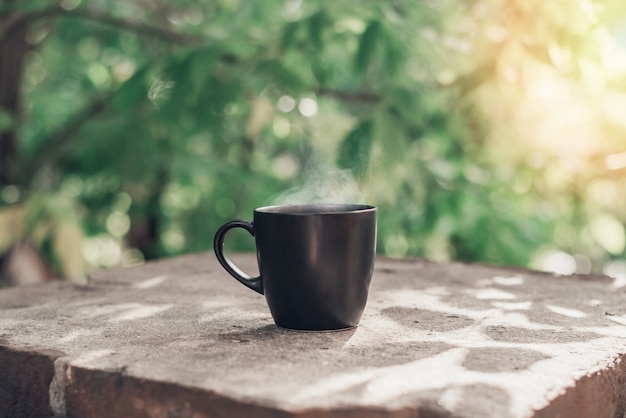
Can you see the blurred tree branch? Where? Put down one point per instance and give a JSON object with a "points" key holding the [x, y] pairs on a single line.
{"points": [[14, 25], [138, 27], [13, 22], [350, 96], [13, 47]]}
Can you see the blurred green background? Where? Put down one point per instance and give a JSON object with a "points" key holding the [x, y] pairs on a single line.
{"points": [[484, 130]]}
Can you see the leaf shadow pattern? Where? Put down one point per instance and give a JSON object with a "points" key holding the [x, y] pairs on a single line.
{"points": [[524, 335], [426, 319], [501, 359], [331, 349]]}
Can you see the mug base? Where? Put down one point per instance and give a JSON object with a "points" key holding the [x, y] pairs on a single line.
{"points": [[318, 330]]}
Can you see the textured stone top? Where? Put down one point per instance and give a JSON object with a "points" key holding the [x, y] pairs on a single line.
{"points": [[180, 338]]}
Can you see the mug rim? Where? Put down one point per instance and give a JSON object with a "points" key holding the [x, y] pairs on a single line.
{"points": [[312, 209]]}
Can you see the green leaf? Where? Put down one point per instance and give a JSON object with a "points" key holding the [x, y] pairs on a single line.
{"points": [[201, 66], [6, 121], [406, 104], [367, 44], [355, 150], [289, 35], [134, 90], [393, 51], [389, 131], [320, 70], [278, 74], [316, 25]]}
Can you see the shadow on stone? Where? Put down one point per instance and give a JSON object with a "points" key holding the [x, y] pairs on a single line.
{"points": [[385, 355], [525, 335], [501, 359], [427, 320], [333, 349], [275, 335], [563, 315]]}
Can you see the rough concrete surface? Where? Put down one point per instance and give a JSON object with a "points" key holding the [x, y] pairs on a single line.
{"points": [[180, 338]]}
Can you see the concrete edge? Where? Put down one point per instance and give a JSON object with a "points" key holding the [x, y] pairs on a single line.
{"points": [[98, 393], [27, 377], [593, 395]]}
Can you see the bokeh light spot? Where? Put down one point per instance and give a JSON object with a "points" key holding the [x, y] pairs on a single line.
{"points": [[132, 257], [98, 74], [173, 239], [286, 104], [617, 270], [307, 107], [608, 231], [558, 262], [285, 166], [118, 224], [69, 4], [10, 194], [281, 127], [101, 250]]}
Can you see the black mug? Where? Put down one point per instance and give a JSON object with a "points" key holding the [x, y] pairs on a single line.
{"points": [[315, 262]]}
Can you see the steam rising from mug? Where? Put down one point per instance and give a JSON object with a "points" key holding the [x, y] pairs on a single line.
{"points": [[323, 183]]}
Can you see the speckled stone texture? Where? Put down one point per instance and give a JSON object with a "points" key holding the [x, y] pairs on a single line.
{"points": [[180, 338]]}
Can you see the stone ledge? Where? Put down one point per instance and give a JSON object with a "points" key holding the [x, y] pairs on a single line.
{"points": [[25, 382], [180, 338]]}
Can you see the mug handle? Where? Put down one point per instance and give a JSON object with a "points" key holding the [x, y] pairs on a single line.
{"points": [[254, 283]]}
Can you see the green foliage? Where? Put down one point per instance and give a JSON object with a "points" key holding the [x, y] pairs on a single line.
{"points": [[159, 121], [6, 121], [355, 149]]}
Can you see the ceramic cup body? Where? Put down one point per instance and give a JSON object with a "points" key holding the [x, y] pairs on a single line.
{"points": [[315, 262]]}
